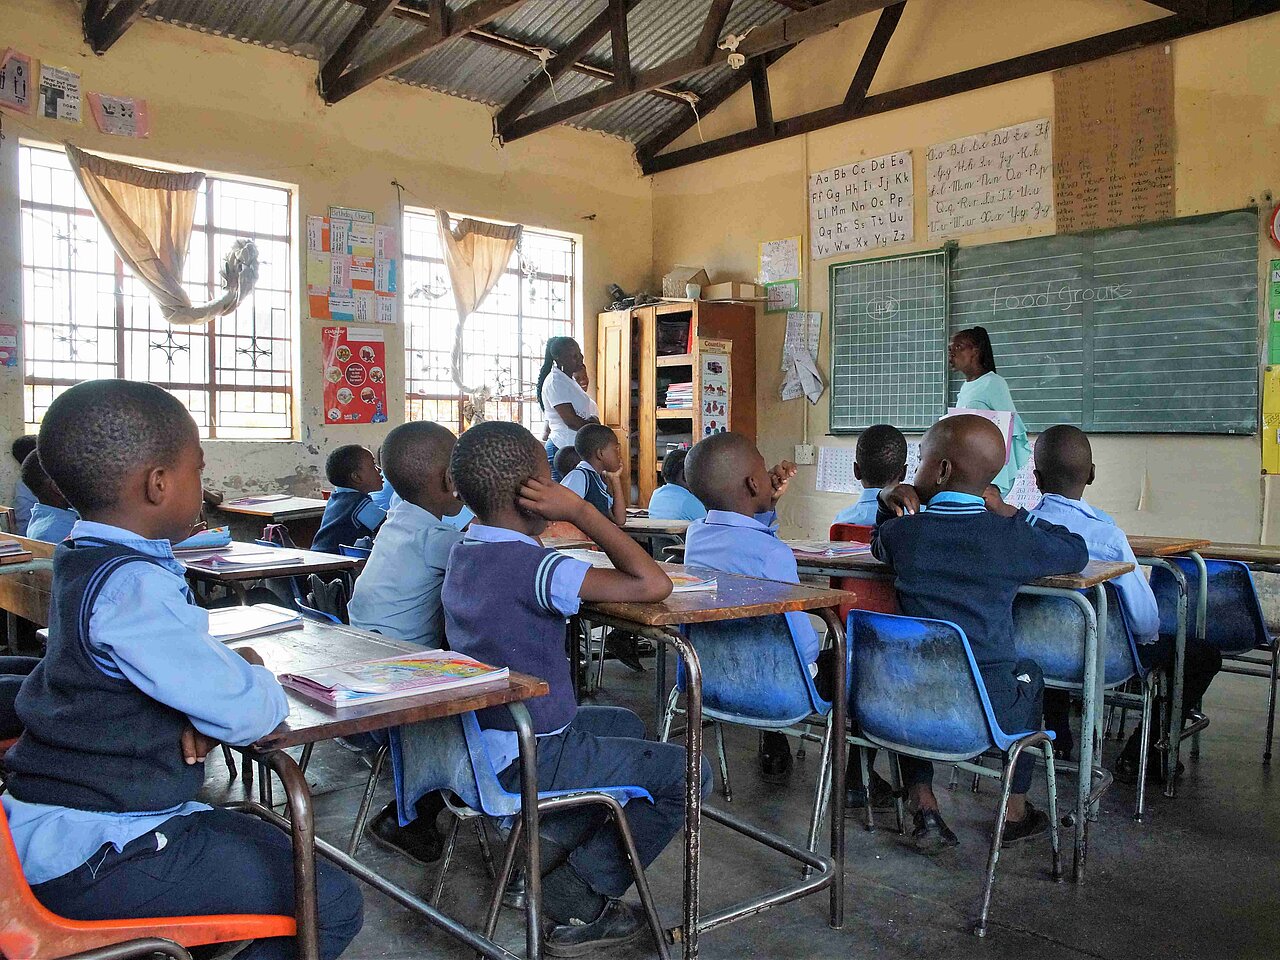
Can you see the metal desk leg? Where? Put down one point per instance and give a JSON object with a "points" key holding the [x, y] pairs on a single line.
{"points": [[660, 691], [1202, 594], [529, 818], [1099, 689], [839, 750], [302, 828]]}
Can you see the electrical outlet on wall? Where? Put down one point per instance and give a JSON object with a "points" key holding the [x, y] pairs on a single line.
{"points": [[805, 455]]}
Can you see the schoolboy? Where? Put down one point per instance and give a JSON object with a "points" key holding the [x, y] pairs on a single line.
{"points": [[133, 692], [674, 500], [728, 474], [52, 517], [350, 512], [566, 459], [1063, 468], [518, 621], [960, 562], [879, 460], [597, 478], [23, 498], [398, 592]]}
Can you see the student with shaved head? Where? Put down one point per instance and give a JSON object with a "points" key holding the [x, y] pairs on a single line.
{"points": [[956, 560], [1064, 467]]}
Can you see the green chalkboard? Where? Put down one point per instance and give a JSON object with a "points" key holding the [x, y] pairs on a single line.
{"points": [[1148, 329]]}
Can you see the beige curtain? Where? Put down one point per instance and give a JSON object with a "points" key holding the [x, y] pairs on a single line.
{"points": [[148, 215], [476, 254]]}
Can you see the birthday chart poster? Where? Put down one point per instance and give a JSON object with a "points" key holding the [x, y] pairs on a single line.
{"points": [[355, 375]]}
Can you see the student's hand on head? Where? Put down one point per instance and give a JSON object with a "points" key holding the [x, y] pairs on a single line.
{"points": [[195, 745], [551, 501], [995, 503], [780, 476], [901, 499]]}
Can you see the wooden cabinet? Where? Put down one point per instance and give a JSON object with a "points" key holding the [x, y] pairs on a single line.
{"points": [[642, 351]]}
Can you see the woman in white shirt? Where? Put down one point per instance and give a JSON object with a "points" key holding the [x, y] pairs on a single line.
{"points": [[567, 406]]}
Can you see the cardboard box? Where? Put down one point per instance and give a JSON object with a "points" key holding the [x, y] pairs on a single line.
{"points": [[733, 290], [673, 283]]}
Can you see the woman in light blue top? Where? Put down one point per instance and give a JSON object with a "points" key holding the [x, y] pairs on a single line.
{"points": [[970, 353]]}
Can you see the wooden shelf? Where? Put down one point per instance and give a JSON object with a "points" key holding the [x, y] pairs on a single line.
{"points": [[665, 414], [676, 360]]}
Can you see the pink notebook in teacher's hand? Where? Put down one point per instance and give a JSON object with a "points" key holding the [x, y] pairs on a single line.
{"points": [[1003, 420]]}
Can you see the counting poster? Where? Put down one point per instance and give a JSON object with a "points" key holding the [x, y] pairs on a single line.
{"points": [[355, 375]]}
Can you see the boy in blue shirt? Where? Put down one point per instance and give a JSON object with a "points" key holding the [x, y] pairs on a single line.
{"points": [[23, 498], [956, 560], [350, 512], [566, 459], [51, 518], [728, 474], [506, 598], [133, 692], [1063, 468], [597, 478], [880, 460], [674, 500]]}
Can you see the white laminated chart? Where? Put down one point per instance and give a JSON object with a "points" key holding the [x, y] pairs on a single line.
{"points": [[861, 206], [889, 342], [835, 468]]}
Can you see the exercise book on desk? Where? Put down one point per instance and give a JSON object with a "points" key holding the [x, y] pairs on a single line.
{"points": [[408, 675], [681, 580], [827, 548], [235, 561], [239, 623], [255, 500]]}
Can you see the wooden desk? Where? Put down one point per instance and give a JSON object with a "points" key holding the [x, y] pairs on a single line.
{"points": [[318, 644], [275, 509], [1165, 546], [26, 589], [309, 561], [1259, 556], [736, 597], [655, 534]]}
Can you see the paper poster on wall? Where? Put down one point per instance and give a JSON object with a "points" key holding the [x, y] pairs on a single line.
{"points": [[861, 206], [120, 116], [714, 385], [1025, 493], [835, 468], [8, 345], [1273, 312], [353, 214], [991, 181], [318, 235], [780, 260], [59, 94], [782, 296], [355, 380], [352, 267], [800, 377], [17, 87]]}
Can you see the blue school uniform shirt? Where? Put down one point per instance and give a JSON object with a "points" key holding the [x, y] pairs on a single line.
{"points": [[23, 501], [348, 516], [51, 524], [864, 511], [736, 543], [586, 481], [991, 392], [398, 592], [144, 628], [386, 498], [1107, 542], [674, 502]]}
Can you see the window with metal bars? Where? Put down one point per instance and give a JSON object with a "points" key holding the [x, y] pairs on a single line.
{"points": [[86, 316], [503, 341]]}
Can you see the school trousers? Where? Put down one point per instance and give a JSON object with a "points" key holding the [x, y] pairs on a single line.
{"points": [[1017, 700], [211, 862], [605, 747]]}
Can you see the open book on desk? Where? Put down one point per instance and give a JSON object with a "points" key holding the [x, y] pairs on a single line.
{"points": [[408, 675], [239, 623]]}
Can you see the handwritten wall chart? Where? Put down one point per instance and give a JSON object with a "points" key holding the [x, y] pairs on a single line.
{"points": [[1114, 141], [352, 267], [990, 181], [861, 206]]}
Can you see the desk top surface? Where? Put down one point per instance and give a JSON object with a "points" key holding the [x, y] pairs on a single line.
{"points": [[1246, 552], [674, 528], [1165, 546], [274, 505], [309, 561]]}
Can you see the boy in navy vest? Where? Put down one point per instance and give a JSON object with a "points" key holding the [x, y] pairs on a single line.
{"points": [[956, 560], [597, 478], [133, 692], [350, 513], [506, 598]]}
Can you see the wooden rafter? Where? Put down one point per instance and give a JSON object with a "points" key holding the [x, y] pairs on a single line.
{"points": [[760, 97], [1205, 11], [620, 42], [439, 29], [103, 27], [375, 14], [872, 56], [712, 27], [784, 32]]}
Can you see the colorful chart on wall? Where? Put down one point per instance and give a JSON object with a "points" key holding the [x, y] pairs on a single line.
{"points": [[715, 389], [352, 267], [8, 344], [355, 375]]}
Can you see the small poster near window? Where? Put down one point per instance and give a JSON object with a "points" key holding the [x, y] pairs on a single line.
{"points": [[355, 375], [8, 345], [16, 88], [714, 385]]}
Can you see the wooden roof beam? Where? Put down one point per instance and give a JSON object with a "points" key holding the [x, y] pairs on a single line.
{"points": [[103, 27], [374, 16], [872, 56], [1204, 11]]}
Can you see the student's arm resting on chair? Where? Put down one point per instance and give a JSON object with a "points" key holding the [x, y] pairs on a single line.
{"points": [[636, 577]]}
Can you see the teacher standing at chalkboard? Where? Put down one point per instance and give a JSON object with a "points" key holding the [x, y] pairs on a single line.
{"points": [[970, 354]]}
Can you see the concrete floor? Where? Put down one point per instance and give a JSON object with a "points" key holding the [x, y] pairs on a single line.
{"points": [[1198, 879]]}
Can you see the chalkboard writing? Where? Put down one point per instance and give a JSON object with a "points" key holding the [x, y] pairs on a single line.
{"points": [[861, 206], [990, 181]]}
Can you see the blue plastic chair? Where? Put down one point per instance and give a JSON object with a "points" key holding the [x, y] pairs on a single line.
{"points": [[449, 755], [358, 553], [753, 675], [1051, 629], [916, 690], [1234, 624]]}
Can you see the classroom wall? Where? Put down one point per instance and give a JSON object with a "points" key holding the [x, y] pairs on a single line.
{"points": [[715, 213], [235, 108]]}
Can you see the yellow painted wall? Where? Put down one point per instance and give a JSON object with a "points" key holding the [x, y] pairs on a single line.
{"points": [[235, 108], [714, 213]]}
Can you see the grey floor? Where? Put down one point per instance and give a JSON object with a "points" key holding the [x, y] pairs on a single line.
{"points": [[1198, 879]]}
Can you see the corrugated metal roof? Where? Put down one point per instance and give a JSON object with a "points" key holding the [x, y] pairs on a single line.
{"points": [[657, 31]]}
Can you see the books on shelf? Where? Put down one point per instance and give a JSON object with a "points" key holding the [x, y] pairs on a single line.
{"points": [[828, 548], [11, 551], [679, 396], [250, 558], [239, 623], [408, 675], [209, 539]]}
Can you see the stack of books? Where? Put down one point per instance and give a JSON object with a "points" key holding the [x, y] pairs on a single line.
{"points": [[239, 623], [828, 548], [11, 551], [408, 675], [680, 396], [238, 561]]}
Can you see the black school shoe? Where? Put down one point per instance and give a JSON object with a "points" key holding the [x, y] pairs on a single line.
{"points": [[420, 841], [882, 797], [775, 758], [625, 649], [1031, 827], [930, 834], [618, 923], [1126, 768]]}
